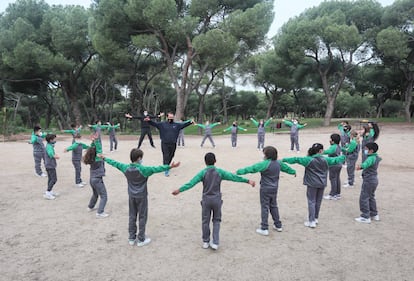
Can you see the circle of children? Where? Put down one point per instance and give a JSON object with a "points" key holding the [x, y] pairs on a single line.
{"points": [[319, 165]]}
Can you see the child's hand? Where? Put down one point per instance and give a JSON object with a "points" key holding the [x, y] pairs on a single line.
{"points": [[174, 165], [358, 167], [65, 150], [100, 155], [252, 183], [175, 192], [245, 129], [127, 115], [57, 156]]}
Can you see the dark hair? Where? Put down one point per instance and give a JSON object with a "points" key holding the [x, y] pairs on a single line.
{"points": [[135, 154], [210, 158], [36, 128], [372, 146], [376, 130], [90, 155], [50, 137], [270, 152], [316, 147], [73, 125], [336, 138]]}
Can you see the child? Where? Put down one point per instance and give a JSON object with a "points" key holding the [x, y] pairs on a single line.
{"points": [[370, 133], [294, 132], [137, 177], [208, 132], [76, 149], [211, 200], [38, 150], [50, 164], [335, 170], [345, 131], [315, 178], [97, 128], [113, 142], [97, 172], [351, 151], [234, 130], [367, 202], [269, 183], [75, 130], [261, 131]]}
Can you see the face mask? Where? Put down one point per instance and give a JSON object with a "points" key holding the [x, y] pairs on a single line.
{"points": [[295, 122], [140, 161], [366, 151], [52, 142], [170, 120]]}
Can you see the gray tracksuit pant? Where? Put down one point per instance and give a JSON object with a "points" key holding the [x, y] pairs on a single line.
{"points": [[51, 178], [138, 207], [113, 142], [98, 190], [268, 203], [335, 179], [38, 156], [211, 206], [314, 196], [367, 202]]}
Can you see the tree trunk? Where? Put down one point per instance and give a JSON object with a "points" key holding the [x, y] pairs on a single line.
{"points": [[408, 99]]}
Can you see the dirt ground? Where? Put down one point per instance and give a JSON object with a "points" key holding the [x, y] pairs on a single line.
{"points": [[60, 240]]}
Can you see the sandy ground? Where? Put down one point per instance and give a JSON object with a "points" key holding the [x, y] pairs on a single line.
{"points": [[60, 240]]}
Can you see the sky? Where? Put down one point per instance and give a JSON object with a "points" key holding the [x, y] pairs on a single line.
{"points": [[284, 9]]}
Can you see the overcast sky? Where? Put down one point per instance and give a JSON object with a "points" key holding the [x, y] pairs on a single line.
{"points": [[284, 9]]}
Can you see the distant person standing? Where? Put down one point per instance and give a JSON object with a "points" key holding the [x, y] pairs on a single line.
{"points": [[294, 133], [234, 128], [145, 127], [169, 131], [208, 132], [74, 131], [38, 150], [261, 131], [113, 141], [97, 129]]}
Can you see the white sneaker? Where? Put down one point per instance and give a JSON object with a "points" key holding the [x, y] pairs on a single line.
{"points": [[375, 218], [337, 197], [205, 245], [131, 242], [102, 215], [263, 232], [363, 220], [56, 194], [213, 246], [329, 197], [91, 209], [84, 183], [80, 185], [49, 196], [316, 221], [311, 224], [278, 229], [348, 185], [298, 151], [43, 175], [145, 242]]}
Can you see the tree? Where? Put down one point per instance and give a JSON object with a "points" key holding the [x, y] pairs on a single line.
{"points": [[336, 36], [170, 29], [396, 42]]}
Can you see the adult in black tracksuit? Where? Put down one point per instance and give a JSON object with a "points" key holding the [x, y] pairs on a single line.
{"points": [[145, 127], [169, 131]]}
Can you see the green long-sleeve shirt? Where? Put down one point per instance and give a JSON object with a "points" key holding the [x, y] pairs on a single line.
{"points": [[146, 171], [370, 161], [265, 124], [200, 176], [202, 126], [350, 147], [290, 124], [304, 161], [238, 127], [262, 166], [75, 145]]}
